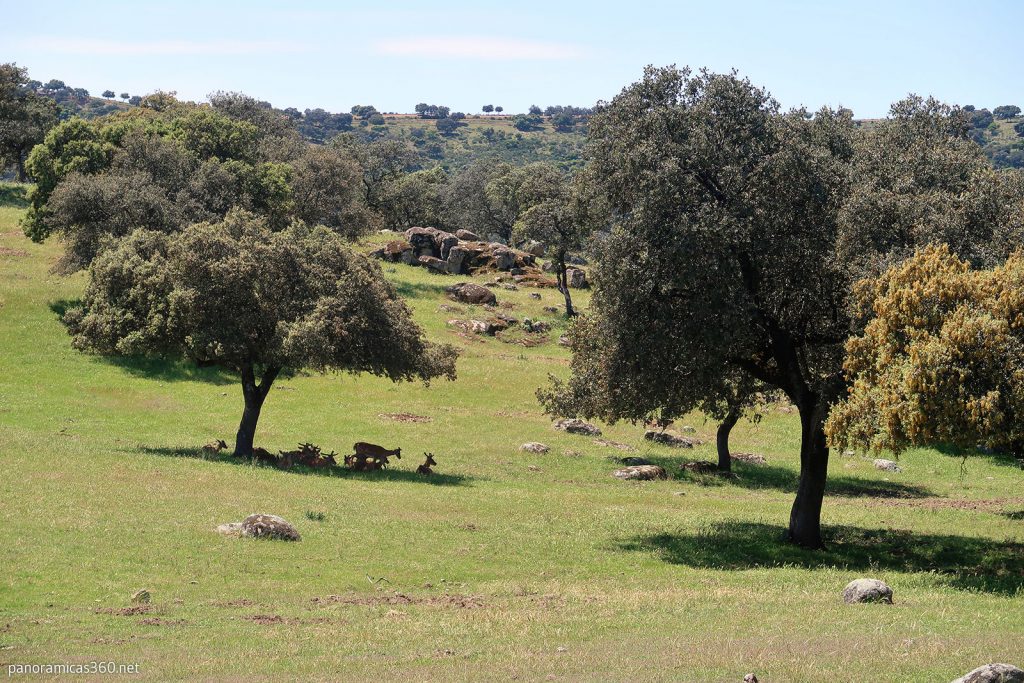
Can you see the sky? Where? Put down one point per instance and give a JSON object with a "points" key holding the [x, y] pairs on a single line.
{"points": [[464, 53]]}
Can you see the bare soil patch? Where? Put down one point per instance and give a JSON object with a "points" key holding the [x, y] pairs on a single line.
{"points": [[392, 599], [405, 417]]}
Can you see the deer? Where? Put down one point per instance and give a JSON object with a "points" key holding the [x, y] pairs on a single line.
{"points": [[264, 456], [369, 450], [425, 467], [215, 446]]}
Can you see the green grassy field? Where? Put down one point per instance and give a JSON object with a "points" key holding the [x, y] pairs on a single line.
{"points": [[503, 566]]}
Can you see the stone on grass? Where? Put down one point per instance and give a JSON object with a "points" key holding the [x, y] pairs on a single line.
{"points": [[534, 447], [230, 529], [641, 473], [614, 444], [141, 597], [577, 426], [887, 465], [668, 439], [750, 458], [470, 293], [867, 590], [269, 526], [993, 673]]}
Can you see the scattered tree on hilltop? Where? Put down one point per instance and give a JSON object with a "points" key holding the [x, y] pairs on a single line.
{"points": [[1006, 111], [255, 301], [109, 94]]}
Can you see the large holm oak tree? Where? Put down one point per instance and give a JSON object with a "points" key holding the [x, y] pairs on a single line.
{"points": [[738, 232], [254, 301]]}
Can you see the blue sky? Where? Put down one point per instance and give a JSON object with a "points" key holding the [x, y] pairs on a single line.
{"points": [[514, 53]]}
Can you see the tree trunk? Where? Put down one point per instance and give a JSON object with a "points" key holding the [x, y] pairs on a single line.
{"points": [[563, 283], [724, 457], [254, 395], [805, 517], [22, 176]]}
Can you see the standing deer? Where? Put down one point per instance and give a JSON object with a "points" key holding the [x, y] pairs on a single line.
{"points": [[369, 450], [425, 467]]}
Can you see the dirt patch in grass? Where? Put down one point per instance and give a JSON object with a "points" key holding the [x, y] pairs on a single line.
{"points": [[392, 599], [275, 619], [240, 602], [8, 251], [405, 417], [133, 611], [157, 621]]}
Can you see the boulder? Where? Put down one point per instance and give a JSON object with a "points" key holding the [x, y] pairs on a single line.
{"points": [[534, 247], [457, 259], [504, 258], [496, 238], [641, 473], [668, 439], [575, 278], [577, 426], [422, 241], [993, 673], [750, 458], [467, 235], [867, 590], [470, 293], [141, 597], [614, 444], [535, 447], [887, 465], [230, 529], [535, 295], [269, 526], [634, 461], [434, 264]]}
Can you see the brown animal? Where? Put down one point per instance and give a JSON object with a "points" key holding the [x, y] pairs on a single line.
{"points": [[215, 446], [264, 456], [660, 423], [307, 454], [425, 467], [370, 450]]}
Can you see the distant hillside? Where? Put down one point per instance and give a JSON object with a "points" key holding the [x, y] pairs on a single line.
{"points": [[556, 134]]}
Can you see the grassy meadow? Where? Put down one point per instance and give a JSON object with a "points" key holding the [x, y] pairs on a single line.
{"points": [[502, 566]]}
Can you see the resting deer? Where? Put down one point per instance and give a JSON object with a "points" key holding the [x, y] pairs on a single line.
{"points": [[425, 467], [215, 446]]}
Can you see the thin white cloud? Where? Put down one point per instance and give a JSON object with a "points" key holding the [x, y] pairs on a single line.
{"points": [[477, 47], [90, 47]]}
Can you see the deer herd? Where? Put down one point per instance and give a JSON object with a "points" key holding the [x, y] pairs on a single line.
{"points": [[367, 457]]}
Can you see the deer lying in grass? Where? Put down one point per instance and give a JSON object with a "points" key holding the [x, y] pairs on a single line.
{"points": [[215, 447], [425, 467], [307, 454]]}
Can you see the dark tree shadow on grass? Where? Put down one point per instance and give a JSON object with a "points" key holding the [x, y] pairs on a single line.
{"points": [[388, 475], [419, 290], [974, 564], [161, 369], [783, 479]]}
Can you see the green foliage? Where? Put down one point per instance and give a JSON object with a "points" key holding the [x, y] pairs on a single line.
{"points": [[25, 117], [527, 122], [1006, 111], [238, 293], [940, 361]]}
